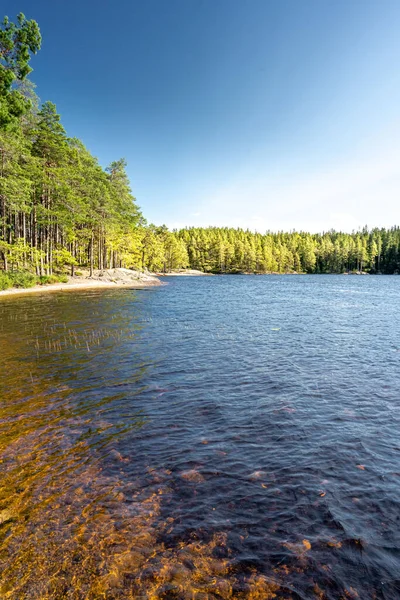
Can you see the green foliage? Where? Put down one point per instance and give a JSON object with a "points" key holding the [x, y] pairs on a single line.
{"points": [[60, 209], [22, 279], [49, 279], [17, 43], [224, 250], [26, 279], [62, 257], [5, 281]]}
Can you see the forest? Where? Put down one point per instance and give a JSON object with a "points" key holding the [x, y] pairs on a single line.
{"points": [[61, 210], [224, 250]]}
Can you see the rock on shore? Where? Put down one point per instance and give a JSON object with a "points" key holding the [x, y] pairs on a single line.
{"points": [[123, 276]]}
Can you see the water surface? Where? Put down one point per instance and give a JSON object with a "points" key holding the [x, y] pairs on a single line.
{"points": [[222, 437]]}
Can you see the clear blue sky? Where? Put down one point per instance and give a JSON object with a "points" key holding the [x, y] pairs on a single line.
{"points": [[272, 114]]}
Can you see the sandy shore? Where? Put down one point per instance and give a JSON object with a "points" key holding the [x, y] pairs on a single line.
{"points": [[86, 283]]}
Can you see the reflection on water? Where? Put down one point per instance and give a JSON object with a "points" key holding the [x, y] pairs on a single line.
{"points": [[216, 438]]}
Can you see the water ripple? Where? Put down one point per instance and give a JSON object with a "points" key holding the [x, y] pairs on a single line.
{"points": [[226, 437]]}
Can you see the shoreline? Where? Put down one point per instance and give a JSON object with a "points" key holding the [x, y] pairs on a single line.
{"points": [[184, 273], [85, 283], [80, 285]]}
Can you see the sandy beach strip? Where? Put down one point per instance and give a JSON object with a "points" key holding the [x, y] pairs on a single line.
{"points": [[85, 284]]}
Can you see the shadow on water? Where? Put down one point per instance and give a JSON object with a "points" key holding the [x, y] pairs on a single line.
{"points": [[143, 456]]}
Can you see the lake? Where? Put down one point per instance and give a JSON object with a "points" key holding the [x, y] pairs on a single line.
{"points": [[218, 437]]}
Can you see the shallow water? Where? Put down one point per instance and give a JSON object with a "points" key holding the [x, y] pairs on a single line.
{"points": [[222, 437]]}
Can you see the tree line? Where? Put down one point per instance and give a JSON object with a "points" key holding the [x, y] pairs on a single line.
{"points": [[59, 208], [226, 250]]}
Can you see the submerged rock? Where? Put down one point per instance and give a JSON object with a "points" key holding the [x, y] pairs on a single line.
{"points": [[258, 475], [192, 475], [6, 515]]}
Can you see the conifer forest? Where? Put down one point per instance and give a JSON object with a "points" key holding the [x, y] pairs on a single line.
{"points": [[61, 210]]}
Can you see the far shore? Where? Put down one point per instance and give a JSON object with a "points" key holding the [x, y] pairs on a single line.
{"points": [[184, 273], [125, 278]]}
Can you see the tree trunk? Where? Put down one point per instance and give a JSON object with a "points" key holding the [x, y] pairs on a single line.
{"points": [[91, 255]]}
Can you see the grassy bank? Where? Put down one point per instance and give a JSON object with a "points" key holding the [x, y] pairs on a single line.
{"points": [[25, 279]]}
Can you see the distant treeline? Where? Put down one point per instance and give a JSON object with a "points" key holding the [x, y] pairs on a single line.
{"points": [[59, 208], [224, 250]]}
